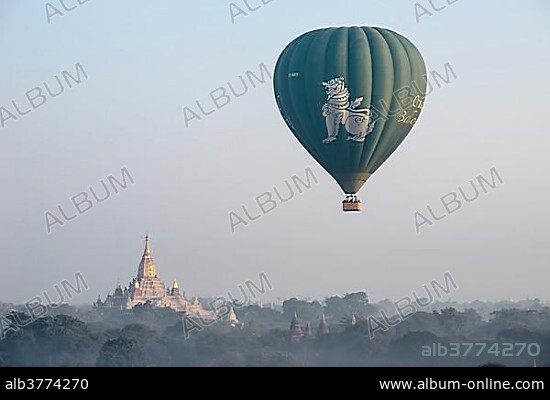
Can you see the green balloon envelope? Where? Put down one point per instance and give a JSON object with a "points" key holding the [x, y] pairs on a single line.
{"points": [[350, 96]]}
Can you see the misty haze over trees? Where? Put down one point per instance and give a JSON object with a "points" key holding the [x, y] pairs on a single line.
{"points": [[147, 336]]}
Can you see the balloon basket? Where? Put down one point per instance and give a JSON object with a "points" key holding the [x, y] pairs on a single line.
{"points": [[351, 204]]}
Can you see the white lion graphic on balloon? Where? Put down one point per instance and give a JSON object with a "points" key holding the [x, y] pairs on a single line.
{"points": [[339, 111]]}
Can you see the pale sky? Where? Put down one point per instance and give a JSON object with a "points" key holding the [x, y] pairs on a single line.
{"points": [[146, 61]]}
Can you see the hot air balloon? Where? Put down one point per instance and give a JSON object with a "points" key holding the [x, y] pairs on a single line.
{"points": [[350, 95]]}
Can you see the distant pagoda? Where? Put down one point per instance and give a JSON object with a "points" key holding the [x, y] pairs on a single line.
{"points": [[147, 288], [296, 331], [323, 326]]}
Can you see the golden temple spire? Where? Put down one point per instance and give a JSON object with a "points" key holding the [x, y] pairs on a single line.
{"points": [[147, 250], [147, 267]]}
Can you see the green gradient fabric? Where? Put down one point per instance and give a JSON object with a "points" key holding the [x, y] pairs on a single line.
{"points": [[350, 96]]}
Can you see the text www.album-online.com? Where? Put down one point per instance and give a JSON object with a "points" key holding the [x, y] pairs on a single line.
{"points": [[489, 384]]}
